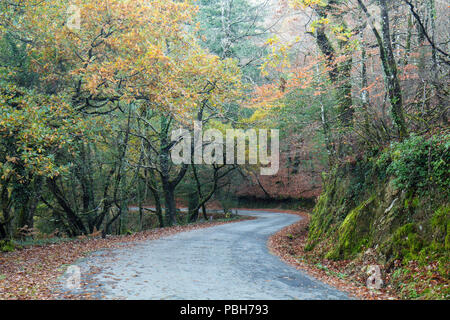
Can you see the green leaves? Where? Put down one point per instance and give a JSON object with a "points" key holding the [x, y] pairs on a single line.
{"points": [[33, 129], [419, 162]]}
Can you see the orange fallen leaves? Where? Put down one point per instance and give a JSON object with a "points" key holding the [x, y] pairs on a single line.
{"points": [[289, 244], [31, 273]]}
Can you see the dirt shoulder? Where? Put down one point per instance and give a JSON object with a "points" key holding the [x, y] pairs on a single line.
{"points": [[289, 245]]}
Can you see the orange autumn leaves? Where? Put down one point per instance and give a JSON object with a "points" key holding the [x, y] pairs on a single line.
{"points": [[130, 51], [270, 96], [141, 52]]}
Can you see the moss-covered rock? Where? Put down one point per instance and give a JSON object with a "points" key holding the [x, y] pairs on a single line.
{"points": [[362, 206], [440, 223], [407, 242], [354, 233], [377, 204]]}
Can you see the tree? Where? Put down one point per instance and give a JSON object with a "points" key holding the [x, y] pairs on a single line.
{"points": [[236, 29], [126, 60], [389, 66], [35, 131]]}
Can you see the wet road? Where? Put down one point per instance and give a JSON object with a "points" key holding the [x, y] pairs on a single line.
{"points": [[229, 261]]}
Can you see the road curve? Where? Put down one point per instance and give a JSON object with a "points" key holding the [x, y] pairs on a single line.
{"points": [[229, 261]]}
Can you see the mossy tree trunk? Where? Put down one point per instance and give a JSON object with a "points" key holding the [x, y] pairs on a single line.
{"points": [[389, 67], [339, 72], [168, 184]]}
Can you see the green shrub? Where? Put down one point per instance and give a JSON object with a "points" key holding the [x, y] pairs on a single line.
{"points": [[419, 163], [6, 246]]}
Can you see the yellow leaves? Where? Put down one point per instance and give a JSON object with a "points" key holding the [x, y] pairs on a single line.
{"points": [[6, 173], [40, 125], [259, 115], [278, 57], [318, 23], [272, 41], [129, 50], [307, 3], [12, 159]]}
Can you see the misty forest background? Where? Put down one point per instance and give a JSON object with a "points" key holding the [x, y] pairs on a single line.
{"points": [[358, 89]]}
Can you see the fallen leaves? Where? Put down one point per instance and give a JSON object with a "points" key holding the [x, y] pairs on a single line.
{"points": [[31, 273], [410, 281], [289, 245]]}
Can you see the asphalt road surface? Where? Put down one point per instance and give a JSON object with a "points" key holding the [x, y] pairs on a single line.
{"points": [[229, 261]]}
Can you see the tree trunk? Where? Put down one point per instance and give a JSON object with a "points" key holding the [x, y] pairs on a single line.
{"points": [[364, 84], [84, 174], [339, 73], [3, 233], [5, 203], [158, 208], [389, 67], [193, 206], [153, 189], [21, 194], [391, 72], [76, 224], [29, 195], [168, 184], [170, 205]]}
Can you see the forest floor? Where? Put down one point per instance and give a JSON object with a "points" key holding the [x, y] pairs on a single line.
{"points": [[31, 272]]}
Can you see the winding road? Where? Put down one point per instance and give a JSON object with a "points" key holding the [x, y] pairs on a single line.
{"points": [[229, 261]]}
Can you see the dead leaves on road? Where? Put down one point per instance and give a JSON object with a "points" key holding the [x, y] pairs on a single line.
{"points": [[31, 273]]}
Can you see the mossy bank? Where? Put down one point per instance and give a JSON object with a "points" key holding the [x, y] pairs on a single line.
{"points": [[394, 205]]}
